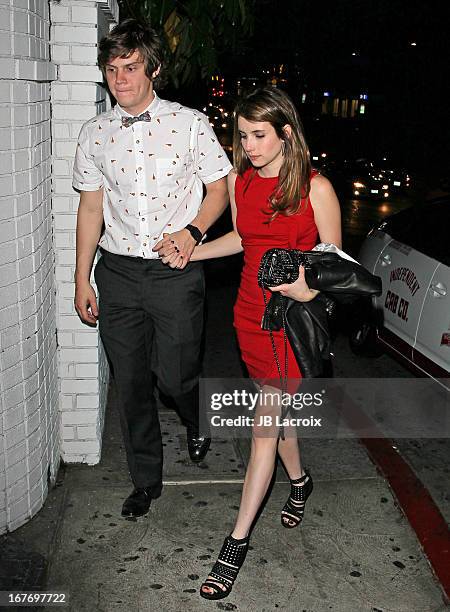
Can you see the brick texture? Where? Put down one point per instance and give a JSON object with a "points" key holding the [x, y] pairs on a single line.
{"points": [[29, 424], [52, 395], [77, 95]]}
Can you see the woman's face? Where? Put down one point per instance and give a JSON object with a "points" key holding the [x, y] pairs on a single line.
{"points": [[262, 146]]}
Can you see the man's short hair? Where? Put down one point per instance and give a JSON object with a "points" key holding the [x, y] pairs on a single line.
{"points": [[127, 37]]}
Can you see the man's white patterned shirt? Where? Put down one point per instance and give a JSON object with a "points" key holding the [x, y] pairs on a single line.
{"points": [[152, 172]]}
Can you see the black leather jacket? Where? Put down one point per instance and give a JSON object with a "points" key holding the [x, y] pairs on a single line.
{"points": [[307, 329]]}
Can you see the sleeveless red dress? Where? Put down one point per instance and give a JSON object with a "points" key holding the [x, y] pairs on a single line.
{"points": [[296, 231]]}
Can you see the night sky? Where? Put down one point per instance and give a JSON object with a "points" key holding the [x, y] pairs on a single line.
{"points": [[407, 85]]}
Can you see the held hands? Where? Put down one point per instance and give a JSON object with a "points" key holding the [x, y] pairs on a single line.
{"points": [[86, 303], [298, 290], [175, 249]]}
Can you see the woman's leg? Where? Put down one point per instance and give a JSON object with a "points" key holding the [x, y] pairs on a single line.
{"points": [[289, 452], [257, 478], [301, 483], [262, 461]]}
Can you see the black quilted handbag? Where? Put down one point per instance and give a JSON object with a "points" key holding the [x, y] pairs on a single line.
{"points": [[325, 271]]}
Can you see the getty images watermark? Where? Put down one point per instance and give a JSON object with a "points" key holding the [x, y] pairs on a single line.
{"points": [[327, 408], [262, 400]]}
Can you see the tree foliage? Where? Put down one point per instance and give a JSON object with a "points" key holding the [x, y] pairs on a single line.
{"points": [[196, 32]]}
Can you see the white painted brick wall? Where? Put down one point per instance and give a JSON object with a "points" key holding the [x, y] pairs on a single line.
{"points": [[29, 419], [32, 428], [77, 95]]}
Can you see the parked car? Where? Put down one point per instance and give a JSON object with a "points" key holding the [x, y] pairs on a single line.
{"points": [[410, 251]]}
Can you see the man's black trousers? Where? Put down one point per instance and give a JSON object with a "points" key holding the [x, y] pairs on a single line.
{"points": [[151, 320]]}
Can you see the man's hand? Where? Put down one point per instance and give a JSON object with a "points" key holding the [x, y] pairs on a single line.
{"points": [[176, 249], [297, 291], [86, 303]]}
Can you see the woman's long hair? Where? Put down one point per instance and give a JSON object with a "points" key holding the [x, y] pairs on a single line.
{"points": [[275, 106]]}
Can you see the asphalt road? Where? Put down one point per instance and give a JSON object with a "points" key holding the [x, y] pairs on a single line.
{"points": [[359, 216]]}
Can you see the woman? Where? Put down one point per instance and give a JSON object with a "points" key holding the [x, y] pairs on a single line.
{"points": [[276, 201]]}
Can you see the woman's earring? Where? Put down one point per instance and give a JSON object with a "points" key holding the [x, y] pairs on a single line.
{"points": [[283, 147]]}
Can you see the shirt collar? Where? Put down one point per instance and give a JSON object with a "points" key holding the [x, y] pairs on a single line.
{"points": [[151, 108]]}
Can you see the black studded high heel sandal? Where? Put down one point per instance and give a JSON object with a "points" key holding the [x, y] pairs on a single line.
{"points": [[294, 508], [225, 569]]}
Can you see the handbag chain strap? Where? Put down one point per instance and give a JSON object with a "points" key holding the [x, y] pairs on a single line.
{"points": [[283, 377]]}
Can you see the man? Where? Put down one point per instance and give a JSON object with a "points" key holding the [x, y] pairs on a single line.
{"points": [[141, 169]]}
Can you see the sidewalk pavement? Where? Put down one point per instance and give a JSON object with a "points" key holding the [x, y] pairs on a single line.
{"points": [[355, 551]]}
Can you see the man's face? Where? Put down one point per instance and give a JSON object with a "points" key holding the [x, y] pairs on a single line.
{"points": [[129, 84]]}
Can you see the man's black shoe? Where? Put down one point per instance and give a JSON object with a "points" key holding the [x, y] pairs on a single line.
{"points": [[138, 503], [198, 446]]}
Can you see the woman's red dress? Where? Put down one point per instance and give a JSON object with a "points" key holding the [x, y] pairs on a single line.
{"points": [[295, 231]]}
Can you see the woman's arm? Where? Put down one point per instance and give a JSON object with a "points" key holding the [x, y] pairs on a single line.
{"points": [[228, 244], [327, 212], [327, 215]]}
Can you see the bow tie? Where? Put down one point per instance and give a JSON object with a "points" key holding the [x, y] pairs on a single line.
{"points": [[127, 121]]}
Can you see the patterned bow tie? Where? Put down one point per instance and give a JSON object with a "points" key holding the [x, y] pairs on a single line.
{"points": [[127, 121]]}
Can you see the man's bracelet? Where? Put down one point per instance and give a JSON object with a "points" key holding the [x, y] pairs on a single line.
{"points": [[195, 233]]}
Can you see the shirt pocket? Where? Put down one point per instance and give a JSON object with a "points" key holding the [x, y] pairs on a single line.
{"points": [[171, 177]]}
